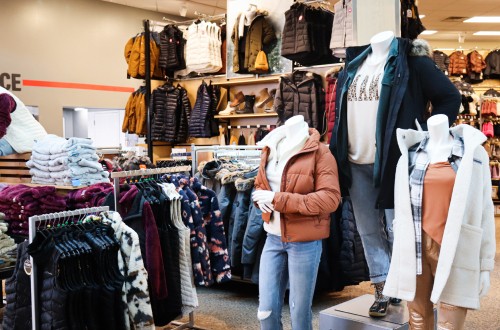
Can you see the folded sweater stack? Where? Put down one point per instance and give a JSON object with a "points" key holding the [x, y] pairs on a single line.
{"points": [[7, 244], [19, 202], [58, 161], [90, 196]]}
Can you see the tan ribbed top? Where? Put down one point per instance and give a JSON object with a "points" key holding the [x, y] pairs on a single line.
{"points": [[438, 188]]}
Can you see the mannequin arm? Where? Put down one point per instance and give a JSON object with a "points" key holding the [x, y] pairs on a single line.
{"points": [[438, 88], [484, 283]]}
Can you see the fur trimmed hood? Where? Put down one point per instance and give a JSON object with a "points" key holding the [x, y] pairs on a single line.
{"points": [[243, 184], [420, 47]]}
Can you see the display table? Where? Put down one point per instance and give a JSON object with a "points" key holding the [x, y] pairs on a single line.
{"points": [[353, 315]]}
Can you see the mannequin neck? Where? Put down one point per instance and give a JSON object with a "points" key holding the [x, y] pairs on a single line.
{"points": [[250, 15], [381, 43], [440, 140], [293, 126]]}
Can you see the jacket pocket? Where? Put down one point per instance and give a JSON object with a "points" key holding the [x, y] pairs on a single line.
{"points": [[468, 247]]}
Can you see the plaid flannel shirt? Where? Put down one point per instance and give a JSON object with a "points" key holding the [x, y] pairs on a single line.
{"points": [[418, 163]]}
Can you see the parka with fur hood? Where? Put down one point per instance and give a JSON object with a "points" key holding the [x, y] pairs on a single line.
{"points": [[260, 33], [411, 81], [468, 245]]}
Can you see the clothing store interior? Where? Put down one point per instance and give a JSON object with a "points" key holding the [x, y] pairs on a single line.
{"points": [[250, 164]]}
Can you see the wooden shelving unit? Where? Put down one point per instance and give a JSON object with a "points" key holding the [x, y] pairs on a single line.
{"points": [[247, 81], [248, 115]]}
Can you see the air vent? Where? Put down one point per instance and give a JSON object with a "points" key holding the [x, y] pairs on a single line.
{"points": [[455, 19]]}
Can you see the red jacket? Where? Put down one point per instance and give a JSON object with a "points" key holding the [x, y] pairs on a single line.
{"points": [[331, 89]]}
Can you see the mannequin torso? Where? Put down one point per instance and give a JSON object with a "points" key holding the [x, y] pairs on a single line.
{"points": [[440, 140]]}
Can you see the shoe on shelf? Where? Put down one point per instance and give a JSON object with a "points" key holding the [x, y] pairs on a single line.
{"points": [[239, 98], [270, 104], [229, 110], [381, 303], [249, 103], [264, 97]]}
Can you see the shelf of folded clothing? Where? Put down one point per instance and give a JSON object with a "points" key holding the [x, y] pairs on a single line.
{"points": [[249, 115], [247, 81], [46, 185]]}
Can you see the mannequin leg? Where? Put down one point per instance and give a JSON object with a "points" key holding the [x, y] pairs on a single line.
{"points": [[370, 222], [451, 317], [273, 279], [303, 263], [421, 309]]}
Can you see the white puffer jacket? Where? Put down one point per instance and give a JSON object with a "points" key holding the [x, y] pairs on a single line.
{"points": [[203, 48], [468, 245]]}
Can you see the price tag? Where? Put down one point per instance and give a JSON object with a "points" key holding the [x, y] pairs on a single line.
{"points": [[75, 182], [27, 266], [409, 13]]}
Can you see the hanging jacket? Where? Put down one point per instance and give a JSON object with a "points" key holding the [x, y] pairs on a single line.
{"points": [[301, 93], [134, 121], [343, 28], [201, 120], [166, 105], [260, 34], [309, 189], [411, 26], [171, 49], [331, 91], [254, 233], [475, 66], [135, 56], [468, 245], [458, 64], [442, 61], [135, 294], [17, 313], [411, 80], [241, 204], [183, 116], [306, 35], [492, 60], [203, 47]]}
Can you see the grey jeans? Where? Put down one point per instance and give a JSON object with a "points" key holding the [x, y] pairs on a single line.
{"points": [[374, 225]]}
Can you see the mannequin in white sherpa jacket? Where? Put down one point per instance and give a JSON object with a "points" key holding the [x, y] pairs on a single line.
{"points": [[467, 251]]}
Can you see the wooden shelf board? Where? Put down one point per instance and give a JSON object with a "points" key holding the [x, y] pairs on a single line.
{"points": [[43, 185], [247, 81], [249, 115]]}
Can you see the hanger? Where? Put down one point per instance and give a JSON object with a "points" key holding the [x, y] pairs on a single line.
{"points": [[250, 6]]}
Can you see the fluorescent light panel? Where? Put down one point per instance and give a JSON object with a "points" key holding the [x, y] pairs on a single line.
{"points": [[428, 32], [483, 19], [487, 33]]}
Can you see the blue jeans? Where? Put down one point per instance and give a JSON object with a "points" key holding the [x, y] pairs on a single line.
{"points": [[283, 263], [5, 148], [374, 225]]}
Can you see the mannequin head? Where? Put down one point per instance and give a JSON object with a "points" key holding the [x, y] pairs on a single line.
{"points": [[440, 140]]}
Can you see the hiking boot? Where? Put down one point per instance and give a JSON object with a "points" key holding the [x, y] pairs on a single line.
{"points": [[249, 103]]}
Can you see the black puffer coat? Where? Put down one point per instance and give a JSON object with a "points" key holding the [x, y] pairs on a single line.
{"points": [[442, 60], [183, 118], [301, 93], [17, 314], [172, 49], [200, 124]]}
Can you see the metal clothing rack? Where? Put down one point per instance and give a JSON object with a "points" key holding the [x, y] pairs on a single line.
{"points": [[195, 149], [34, 223], [153, 171]]}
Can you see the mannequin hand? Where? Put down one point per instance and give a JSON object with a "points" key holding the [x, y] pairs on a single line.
{"points": [[265, 207], [484, 283], [263, 196]]}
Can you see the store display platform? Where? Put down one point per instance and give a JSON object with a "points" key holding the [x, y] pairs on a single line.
{"points": [[353, 315]]}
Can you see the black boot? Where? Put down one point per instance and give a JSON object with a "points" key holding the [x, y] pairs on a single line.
{"points": [[249, 103], [379, 307]]}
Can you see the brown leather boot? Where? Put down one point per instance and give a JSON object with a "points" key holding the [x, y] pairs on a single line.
{"points": [[264, 97], [270, 105], [238, 99], [249, 103]]}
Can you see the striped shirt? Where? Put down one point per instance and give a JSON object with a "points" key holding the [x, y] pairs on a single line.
{"points": [[418, 163]]}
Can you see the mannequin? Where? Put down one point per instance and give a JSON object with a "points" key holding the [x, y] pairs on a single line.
{"points": [[437, 276], [382, 96], [295, 212]]}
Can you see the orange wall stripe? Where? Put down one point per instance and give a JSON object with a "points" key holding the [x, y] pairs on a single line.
{"points": [[56, 84]]}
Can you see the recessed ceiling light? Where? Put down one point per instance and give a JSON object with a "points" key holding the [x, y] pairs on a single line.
{"points": [[487, 33], [483, 19], [428, 32], [421, 16]]}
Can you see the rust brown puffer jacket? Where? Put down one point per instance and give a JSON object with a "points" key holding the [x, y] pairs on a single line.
{"points": [[309, 191], [458, 64], [135, 55], [134, 121]]}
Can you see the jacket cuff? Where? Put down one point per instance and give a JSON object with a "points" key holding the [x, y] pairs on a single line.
{"points": [[487, 264]]}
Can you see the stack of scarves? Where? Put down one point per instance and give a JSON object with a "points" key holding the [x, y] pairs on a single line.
{"points": [[57, 161], [20, 202], [90, 196]]}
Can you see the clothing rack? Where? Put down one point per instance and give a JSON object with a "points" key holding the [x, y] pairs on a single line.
{"points": [[248, 126], [195, 149], [309, 2], [152, 171], [34, 223], [205, 17]]}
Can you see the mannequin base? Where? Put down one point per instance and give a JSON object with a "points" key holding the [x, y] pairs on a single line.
{"points": [[353, 315]]}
